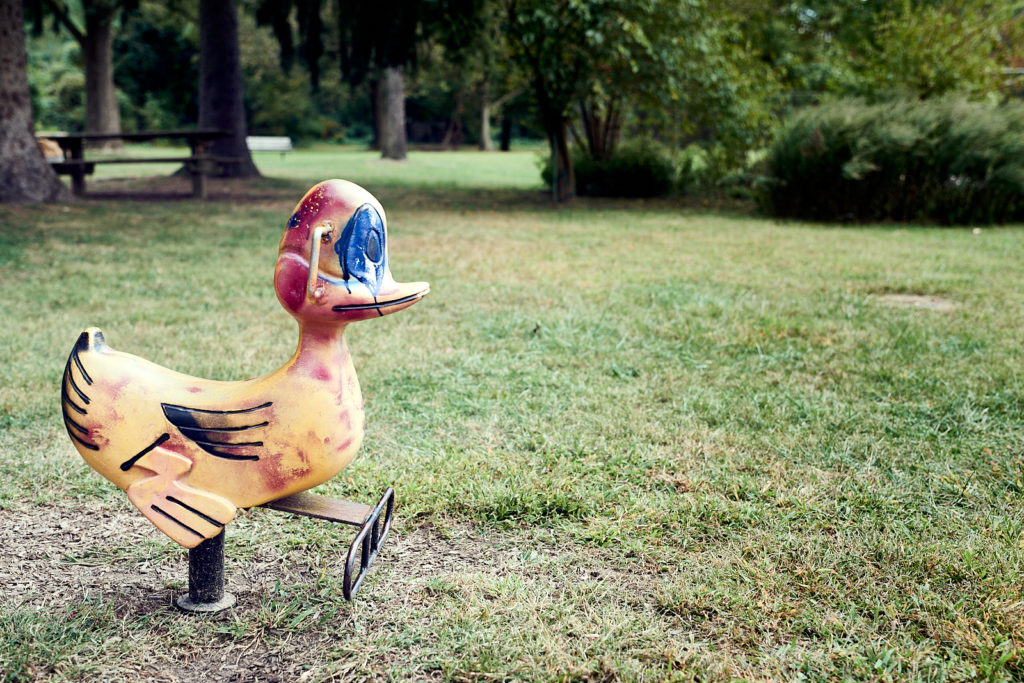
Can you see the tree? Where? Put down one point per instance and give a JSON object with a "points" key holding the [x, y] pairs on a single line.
{"points": [[555, 41], [681, 69], [880, 49], [277, 15], [24, 174], [949, 47], [473, 43], [378, 40], [95, 36], [221, 99], [377, 44], [391, 114]]}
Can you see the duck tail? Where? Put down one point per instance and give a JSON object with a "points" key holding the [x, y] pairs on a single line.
{"points": [[91, 340], [75, 389]]}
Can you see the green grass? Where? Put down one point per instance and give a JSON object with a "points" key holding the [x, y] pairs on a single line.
{"points": [[630, 440], [463, 169]]}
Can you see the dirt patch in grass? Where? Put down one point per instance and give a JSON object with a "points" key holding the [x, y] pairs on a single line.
{"points": [[63, 555], [59, 555], [930, 302]]}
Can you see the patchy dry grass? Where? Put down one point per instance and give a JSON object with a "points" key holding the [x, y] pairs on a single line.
{"points": [[630, 440]]}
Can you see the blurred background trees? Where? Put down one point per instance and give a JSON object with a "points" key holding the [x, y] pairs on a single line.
{"points": [[690, 91], [91, 24]]}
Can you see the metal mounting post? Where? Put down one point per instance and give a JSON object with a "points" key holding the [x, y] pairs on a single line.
{"points": [[206, 578]]}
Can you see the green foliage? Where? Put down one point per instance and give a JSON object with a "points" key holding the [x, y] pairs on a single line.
{"points": [[925, 50], [638, 168], [713, 167], [277, 102], [880, 49], [714, 86], [156, 68], [682, 70], [945, 160], [558, 44], [56, 83]]}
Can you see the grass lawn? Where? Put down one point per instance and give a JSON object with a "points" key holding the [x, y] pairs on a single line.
{"points": [[464, 169], [630, 440]]}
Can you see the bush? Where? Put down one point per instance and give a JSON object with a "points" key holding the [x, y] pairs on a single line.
{"points": [[636, 169], [946, 161]]}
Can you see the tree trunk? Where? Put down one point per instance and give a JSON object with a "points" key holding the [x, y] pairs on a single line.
{"points": [[486, 144], [375, 109], [221, 99], [563, 179], [602, 127], [563, 183], [453, 131], [506, 133], [392, 114], [102, 114], [24, 174]]}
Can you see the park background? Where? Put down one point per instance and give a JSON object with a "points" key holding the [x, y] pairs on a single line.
{"points": [[675, 436]]}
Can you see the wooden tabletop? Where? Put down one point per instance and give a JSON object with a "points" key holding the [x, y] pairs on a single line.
{"points": [[193, 134]]}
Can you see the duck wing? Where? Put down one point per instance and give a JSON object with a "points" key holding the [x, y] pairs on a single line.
{"points": [[188, 515], [230, 434]]}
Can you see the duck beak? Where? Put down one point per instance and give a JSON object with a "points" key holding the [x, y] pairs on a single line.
{"points": [[392, 297]]}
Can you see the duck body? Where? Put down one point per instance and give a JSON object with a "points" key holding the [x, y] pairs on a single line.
{"points": [[190, 451]]}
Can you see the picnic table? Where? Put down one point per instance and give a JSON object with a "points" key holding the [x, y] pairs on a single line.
{"points": [[199, 162]]}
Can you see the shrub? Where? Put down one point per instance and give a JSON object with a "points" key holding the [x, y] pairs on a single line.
{"points": [[947, 161], [639, 168]]}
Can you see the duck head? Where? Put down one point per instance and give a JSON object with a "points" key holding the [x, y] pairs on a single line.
{"points": [[332, 265]]}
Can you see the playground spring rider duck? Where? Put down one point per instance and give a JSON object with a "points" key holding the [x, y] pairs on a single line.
{"points": [[190, 451]]}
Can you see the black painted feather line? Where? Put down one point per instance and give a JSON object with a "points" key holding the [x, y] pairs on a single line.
{"points": [[212, 430], [75, 430]]}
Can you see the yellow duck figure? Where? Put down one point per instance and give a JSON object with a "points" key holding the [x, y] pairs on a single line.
{"points": [[190, 451]]}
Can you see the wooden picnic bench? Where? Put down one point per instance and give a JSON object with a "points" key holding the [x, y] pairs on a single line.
{"points": [[199, 162]]}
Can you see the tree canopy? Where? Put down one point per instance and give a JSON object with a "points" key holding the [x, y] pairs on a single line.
{"points": [[586, 74]]}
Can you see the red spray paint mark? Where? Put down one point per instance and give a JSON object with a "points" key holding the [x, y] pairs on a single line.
{"points": [[291, 283], [116, 387], [270, 468]]}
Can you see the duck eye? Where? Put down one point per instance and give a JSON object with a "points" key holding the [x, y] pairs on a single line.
{"points": [[373, 247]]}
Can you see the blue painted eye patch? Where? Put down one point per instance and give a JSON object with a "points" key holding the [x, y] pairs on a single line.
{"points": [[362, 249]]}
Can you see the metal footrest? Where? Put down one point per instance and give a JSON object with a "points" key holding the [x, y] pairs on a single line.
{"points": [[368, 542], [372, 530]]}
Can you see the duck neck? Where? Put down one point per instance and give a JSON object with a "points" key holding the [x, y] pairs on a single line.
{"points": [[322, 350]]}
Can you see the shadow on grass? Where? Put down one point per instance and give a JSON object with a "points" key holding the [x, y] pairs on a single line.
{"points": [[400, 196]]}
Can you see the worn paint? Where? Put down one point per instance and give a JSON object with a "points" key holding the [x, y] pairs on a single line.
{"points": [[190, 451]]}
